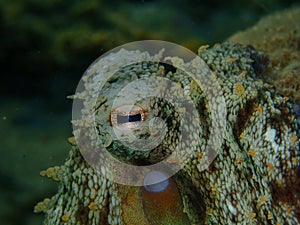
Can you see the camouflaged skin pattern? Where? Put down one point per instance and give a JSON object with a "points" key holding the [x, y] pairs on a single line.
{"points": [[253, 180]]}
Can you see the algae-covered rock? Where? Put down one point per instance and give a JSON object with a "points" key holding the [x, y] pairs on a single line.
{"points": [[278, 35]]}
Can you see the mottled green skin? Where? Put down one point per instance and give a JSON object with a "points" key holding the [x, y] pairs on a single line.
{"points": [[258, 156]]}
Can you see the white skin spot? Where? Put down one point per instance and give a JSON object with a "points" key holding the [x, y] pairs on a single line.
{"points": [[231, 208], [270, 136]]}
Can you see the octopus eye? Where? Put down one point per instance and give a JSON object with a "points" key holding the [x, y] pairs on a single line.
{"points": [[127, 116]]}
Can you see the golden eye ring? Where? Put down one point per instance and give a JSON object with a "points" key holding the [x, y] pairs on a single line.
{"points": [[129, 116]]}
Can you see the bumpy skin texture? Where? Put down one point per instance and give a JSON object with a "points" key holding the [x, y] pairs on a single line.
{"points": [[253, 180]]}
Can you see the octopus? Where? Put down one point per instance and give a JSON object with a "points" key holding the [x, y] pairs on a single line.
{"points": [[254, 178]]}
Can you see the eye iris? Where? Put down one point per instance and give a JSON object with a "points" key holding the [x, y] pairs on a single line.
{"points": [[129, 118]]}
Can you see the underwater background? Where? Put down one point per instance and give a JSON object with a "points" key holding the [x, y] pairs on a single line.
{"points": [[46, 47]]}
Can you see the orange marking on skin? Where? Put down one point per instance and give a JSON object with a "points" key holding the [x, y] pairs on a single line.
{"points": [[231, 60], [280, 184], [202, 48], [260, 109], [251, 153], [262, 200], [239, 160], [291, 118], [252, 215], [294, 139], [65, 218], [92, 206], [197, 119], [239, 89], [270, 166], [200, 155], [243, 73], [209, 211], [214, 189], [72, 141], [270, 216]]}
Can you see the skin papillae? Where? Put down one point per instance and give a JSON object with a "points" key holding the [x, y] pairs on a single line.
{"points": [[254, 178]]}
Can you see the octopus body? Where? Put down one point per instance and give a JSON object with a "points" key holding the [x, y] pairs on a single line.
{"points": [[254, 178]]}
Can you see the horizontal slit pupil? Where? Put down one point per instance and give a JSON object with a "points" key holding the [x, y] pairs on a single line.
{"points": [[129, 118], [134, 118]]}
